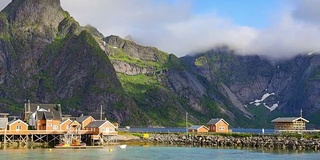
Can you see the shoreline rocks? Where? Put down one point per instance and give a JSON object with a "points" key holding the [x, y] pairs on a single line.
{"points": [[270, 142]]}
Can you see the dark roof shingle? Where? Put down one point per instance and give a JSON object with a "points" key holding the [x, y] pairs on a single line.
{"points": [[48, 115], [95, 124], [288, 119], [197, 127], [54, 108], [82, 118], [216, 120]]}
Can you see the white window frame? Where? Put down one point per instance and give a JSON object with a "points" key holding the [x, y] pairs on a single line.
{"points": [[18, 128]]}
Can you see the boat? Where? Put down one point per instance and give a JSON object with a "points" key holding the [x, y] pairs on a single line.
{"points": [[123, 146], [127, 127]]}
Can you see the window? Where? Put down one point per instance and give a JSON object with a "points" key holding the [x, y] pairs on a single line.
{"points": [[221, 128], [50, 124], [19, 127], [55, 127]]}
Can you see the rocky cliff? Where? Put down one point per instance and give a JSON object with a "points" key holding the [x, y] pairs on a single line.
{"points": [[47, 57], [263, 87]]}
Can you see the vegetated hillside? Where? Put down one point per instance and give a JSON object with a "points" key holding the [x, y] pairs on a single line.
{"points": [[163, 86], [47, 57], [265, 88]]}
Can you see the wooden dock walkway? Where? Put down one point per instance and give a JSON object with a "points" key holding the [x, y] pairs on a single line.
{"points": [[52, 137], [50, 132]]}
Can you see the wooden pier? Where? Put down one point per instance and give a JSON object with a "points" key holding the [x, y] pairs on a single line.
{"points": [[26, 138]]}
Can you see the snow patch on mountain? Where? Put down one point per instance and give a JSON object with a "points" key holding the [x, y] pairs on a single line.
{"points": [[258, 102]]}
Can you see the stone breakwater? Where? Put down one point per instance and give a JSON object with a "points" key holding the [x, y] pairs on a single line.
{"points": [[271, 142]]}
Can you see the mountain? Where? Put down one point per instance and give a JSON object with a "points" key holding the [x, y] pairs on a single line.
{"points": [[264, 88], [47, 57]]}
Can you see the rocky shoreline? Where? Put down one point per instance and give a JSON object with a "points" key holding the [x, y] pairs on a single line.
{"points": [[269, 142]]}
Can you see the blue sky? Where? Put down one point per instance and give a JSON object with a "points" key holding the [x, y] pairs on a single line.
{"points": [[275, 28], [254, 13]]}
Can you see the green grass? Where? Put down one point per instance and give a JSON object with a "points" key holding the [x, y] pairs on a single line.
{"points": [[315, 75], [200, 61], [137, 84], [48, 81], [11, 105], [118, 54], [261, 113]]}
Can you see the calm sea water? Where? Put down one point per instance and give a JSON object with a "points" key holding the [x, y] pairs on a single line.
{"points": [[154, 153], [174, 130]]}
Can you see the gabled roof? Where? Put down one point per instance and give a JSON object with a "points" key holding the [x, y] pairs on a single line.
{"points": [[82, 118], [216, 120], [288, 119], [198, 127], [3, 123], [54, 108], [40, 115], [74, 123], [64, 121], [16, 121], [48, 115], [98, 124]]}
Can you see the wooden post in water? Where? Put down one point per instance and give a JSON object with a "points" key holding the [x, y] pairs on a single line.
{"points": [[32, 141], [5, 139], [27, 141]]}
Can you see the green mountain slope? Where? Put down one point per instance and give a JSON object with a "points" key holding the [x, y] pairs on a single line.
{"points": [[47, 57]]}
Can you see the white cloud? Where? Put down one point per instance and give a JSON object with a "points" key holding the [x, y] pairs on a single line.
{"points": [[307, 11], [172, 26], [4, 3], [285, 39]]}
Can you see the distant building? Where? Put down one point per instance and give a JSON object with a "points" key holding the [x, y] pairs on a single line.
{"points": [[218, 125], [46, 120], [290, 123], [3, 123], [43, 116], [70, 125], [17, 125], [3, 115], [84, 120], [103, 127], [198, 129]]}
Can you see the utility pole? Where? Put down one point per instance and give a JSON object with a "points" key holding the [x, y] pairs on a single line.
{"points": [[101, 112], [186, 122]]}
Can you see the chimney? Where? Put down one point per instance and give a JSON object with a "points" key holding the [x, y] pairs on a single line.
{"points": [[38, 107], [49, 110]]}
